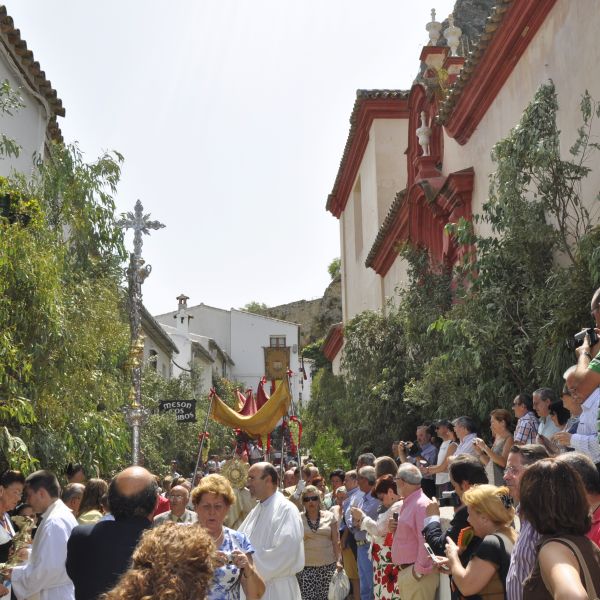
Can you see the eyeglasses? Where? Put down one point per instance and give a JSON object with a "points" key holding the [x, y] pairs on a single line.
{"points": [[310, 498], [511, 471]]}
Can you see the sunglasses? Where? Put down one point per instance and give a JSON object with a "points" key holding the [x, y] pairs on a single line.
{"points": [[310, 498]]}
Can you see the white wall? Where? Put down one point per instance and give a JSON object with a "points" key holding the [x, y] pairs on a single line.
{"points": [[250, 334], [208, 321], [241, 334], [382, 173], [565, 49], [27, 126], [163, 360]]}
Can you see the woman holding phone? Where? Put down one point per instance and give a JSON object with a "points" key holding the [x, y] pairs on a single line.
{"points": [[385, 572]]}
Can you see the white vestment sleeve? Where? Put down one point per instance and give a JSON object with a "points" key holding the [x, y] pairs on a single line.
{"points": [[47, 569], [285, 556]]}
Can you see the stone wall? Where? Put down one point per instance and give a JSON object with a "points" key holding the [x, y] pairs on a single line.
{"points": [[314, 316]]}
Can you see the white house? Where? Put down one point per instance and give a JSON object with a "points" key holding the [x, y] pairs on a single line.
{"points": [[242, 346], [158, 346], [35, 125]]}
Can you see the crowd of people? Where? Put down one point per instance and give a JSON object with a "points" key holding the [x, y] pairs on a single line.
{"points": [[448, 515]]}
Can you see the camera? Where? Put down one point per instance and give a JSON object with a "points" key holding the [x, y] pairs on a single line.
{"points": [[577, 339], [450, 499]]}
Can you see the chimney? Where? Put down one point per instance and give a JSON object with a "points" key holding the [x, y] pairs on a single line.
{"points": [[183, 319]]}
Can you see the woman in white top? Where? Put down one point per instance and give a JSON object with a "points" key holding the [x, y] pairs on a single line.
{"points": [[444, 430], [385, 572]]}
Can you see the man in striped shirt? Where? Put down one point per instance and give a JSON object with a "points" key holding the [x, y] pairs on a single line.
{"points": [[523, 555]]}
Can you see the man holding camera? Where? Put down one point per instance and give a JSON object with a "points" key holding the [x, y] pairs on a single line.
{"points": [[426, 455], [585, 379], [465, 471]]}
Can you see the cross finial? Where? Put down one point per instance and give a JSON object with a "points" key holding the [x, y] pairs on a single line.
{"points": [[140, 223]]}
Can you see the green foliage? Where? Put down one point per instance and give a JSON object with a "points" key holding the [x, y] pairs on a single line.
{"points": [[328, 453], [10, 102], [78, 198], [335, 268], [315, 353], [163, 438], [259, 308], [63, 333]]}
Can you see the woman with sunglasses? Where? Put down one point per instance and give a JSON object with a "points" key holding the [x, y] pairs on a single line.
{"points": [[322, 551]]}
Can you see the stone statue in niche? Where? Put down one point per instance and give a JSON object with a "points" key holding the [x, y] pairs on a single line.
{"points": [[424, 134]]}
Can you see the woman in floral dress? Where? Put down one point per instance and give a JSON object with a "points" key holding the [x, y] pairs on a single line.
{"points": [[385, 572], [212, 498]]}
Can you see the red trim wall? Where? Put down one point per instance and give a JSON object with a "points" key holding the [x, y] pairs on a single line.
{"points": [[370, 109], [515, 32], [333, 342]]}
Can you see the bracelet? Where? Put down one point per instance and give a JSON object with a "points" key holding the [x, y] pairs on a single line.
{"points": [[587, 354], [244, 572]]}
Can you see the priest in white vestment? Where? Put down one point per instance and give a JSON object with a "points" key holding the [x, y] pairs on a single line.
{"points": [[276, 532], [44, 575]]}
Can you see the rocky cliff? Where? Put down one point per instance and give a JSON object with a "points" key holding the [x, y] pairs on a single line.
{"points": [[314, 316]]}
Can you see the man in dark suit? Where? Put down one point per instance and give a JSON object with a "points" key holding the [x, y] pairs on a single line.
{"points": [[465, 472], [97, 555]]}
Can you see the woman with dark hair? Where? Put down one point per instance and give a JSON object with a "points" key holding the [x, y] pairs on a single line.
{"points": [[171, 561], [11, 490], [553, 500], [385, 572], [445, 431], [90, 509], [494, 458]]}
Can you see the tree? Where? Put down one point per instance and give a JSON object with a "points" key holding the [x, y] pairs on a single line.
{"points": [[335, 268], [64, 341], [259, 308]]}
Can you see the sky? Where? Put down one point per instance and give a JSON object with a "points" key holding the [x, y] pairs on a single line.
{"points": [[232, 116]]}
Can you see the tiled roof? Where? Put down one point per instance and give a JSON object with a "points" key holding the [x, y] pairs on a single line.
{"points": [[491, 26], [31, 71], [387, 223], [361, 96]]}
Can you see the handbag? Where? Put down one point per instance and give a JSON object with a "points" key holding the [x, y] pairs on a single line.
{"points": [[339, 586], [587, 576]]}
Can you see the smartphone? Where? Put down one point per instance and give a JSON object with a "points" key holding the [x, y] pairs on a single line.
{"points": [[434, 557], [395, 517]]}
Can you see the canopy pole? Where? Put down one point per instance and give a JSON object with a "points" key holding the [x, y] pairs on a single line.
{"points": [[204, 432]]}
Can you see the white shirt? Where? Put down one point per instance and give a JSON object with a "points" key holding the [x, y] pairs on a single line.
{"points": [[586, 438], [466, 445], [275, 529], [44, 576]]}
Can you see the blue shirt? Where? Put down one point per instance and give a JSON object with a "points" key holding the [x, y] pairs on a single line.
{"points": [[369, 506]]}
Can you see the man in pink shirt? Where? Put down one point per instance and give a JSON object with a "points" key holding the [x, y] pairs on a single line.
{"points": [[417, 579]]}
